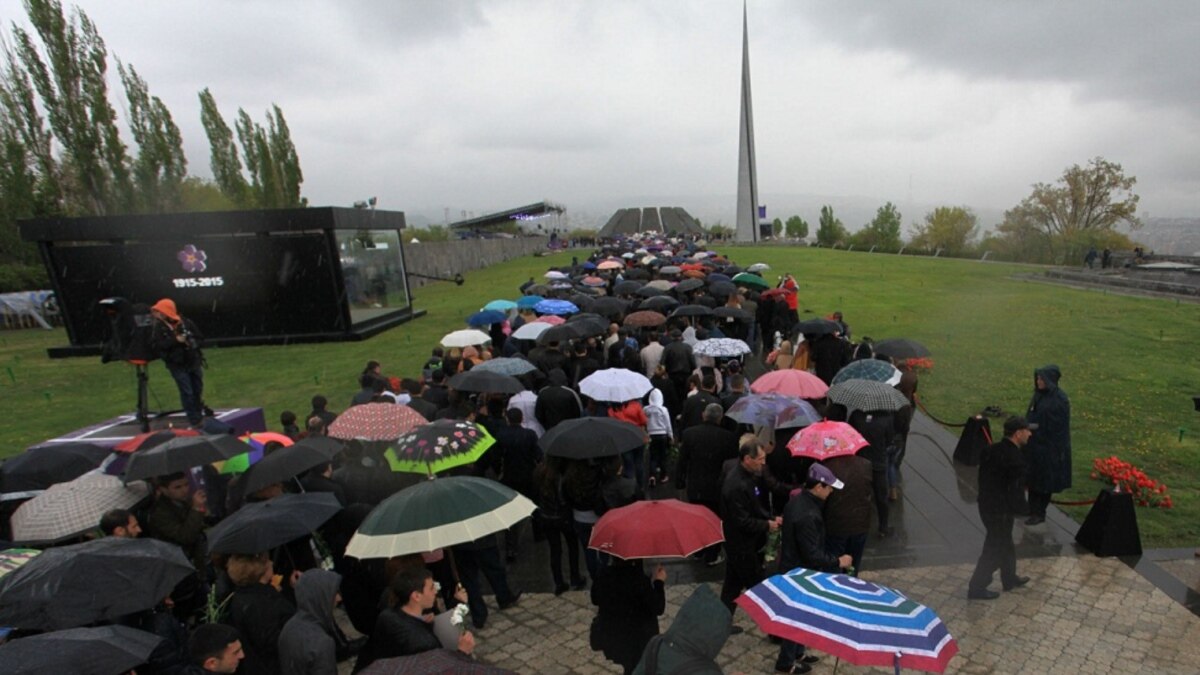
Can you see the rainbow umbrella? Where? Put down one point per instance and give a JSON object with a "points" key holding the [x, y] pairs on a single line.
{"points": [[258, 443]]}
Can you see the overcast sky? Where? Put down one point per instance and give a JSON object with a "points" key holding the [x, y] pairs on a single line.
{"points": [[487, 105]]}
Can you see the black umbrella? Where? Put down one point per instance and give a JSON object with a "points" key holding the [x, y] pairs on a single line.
{"points": [[589, 326], [733, 313], [818, 327], [289, 462], [689, 285], [99, 580], [722, 288], [559, 333], [659, 303], [583, 302], [262, 526], [486, 381], [650, 291], [627, 287], [105, 650], [538, 289], [637, 273], [39, 468], [902, 349], [609, 307], [731, 270], [591, 437], [180, 454], [691, 310]]}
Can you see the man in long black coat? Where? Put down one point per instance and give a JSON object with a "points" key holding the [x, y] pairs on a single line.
{"points": [[704, 449], [1001, 471], [745, 522], [1049, 452], [556, 402]]}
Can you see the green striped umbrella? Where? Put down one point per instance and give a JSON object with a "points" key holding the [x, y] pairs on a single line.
{"points": [[437, 513], [437, 446]]}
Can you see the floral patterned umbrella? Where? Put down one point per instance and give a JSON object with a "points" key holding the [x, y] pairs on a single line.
{"points": [[827, 439], [438, 446], [375, 422]]}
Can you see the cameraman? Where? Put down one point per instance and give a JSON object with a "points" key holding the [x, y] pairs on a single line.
{"points": [[177, 342]]}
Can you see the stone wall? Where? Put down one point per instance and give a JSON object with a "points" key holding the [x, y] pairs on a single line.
{"points": [[447, 258]]}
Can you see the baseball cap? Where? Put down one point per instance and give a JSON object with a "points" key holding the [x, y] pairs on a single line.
{"points": [[1016, 423], [818, 472]]}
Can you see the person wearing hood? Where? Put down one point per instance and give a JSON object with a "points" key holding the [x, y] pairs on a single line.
{"points": [[307, 643], [1048, 453], [557, 402], [658, 426], [691, 645]]}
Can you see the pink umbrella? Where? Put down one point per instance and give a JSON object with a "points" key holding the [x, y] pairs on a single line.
{"points": [[790, 382], [826, 439], [550, 319], [610, 265], [594, 281]]}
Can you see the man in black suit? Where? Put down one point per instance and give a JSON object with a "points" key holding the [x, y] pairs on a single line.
{"points": [[704, 449], [1001, 499]]}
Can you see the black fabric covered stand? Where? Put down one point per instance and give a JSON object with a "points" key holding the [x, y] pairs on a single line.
{"points": [[976, 437], [1110, 528]]}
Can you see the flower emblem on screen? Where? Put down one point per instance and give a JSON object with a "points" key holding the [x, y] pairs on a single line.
{"points": [[192, 259]]}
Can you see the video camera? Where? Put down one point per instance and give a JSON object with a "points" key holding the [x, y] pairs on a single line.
{"points": [[130, 329]]}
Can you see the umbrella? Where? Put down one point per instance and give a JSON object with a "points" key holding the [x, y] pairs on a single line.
{"points": [[826, 439], [555, 275], [150, 439], [560, 333], [781, 293], [486, 317], [501, 305], [557, 307], [287, 463], [627, 287], [530, 331], [465, 338], [438, 446], [868, 369], [660, 284], [818, 327], [180, 454], [689, 285], [660, 303], [13, 558], [588, 437], [803, 414], [722, 289], [439, 661], [691, 310], [669, 270], [665, 528], [588, 265], [790, 382], [485, 381], [375, 422], [583, 302], [536, 291], [747, 279], [714, 277], [645, 319], [95, 581], [650, 291], [262, 526], [589, 324], [38, 468], [610, 265], [852, 619], [758, 267], [763, 409], [69, 509], [733, 313], [505, 366], [257, 442], [902, 349], [867, 396], [438, 513], [549, 320], [721, 348], [81, 651], [593, 281], [629, 255], [731, 270], [528, 301], [615, 385], [609, 307]]}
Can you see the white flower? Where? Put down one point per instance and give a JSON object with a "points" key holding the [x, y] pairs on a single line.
{"points": [[459, 614]]}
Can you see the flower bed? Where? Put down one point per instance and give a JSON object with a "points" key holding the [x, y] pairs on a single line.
{"points": [[1128, 478]]}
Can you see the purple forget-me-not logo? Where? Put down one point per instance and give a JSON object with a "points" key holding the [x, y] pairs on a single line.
{"points": [[192, 259]]}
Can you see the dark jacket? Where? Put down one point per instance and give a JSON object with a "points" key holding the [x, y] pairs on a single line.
{"points": [[693, 409], [424, 408], [516, 456], [556, 404], [704, 449], [1001, 487], [178, 524], [677, 357], [696, 636], [259, 613], [307, 645], [803, 536], [848, 511], [184, 355], [629, 605], [396, 633], [744, 520], [879, 429], [1049, 448], [438, 395], [319, 483], [828, 354]]}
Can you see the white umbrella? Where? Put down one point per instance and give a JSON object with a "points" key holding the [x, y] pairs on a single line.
{"points": [[721, 347], [615, 385], [556, 275], [69, 509], [465, 338], [531, 330], [758, 267]]}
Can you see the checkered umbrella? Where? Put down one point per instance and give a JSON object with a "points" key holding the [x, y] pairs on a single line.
{"points": [[867, 396], [375, 422], [506, 366], [69, 509], [869, 369]]}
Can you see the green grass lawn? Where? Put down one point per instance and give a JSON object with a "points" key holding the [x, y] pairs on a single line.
{"points": [[1129, 364]]}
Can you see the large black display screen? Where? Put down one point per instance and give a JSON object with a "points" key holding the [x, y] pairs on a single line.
{"points": [[232, 286]]}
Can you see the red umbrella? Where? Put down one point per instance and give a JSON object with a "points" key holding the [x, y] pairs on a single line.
{"points": [[826, 439], [665, 528], [790, 382], [375, 422], [775, 292]]}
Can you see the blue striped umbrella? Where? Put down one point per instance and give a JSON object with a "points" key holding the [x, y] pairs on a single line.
{"points": [[852, 619], [556, 307]]}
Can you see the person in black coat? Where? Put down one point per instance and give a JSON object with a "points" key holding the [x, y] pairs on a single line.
{"points": [[556, 402], [704, 449], [745, 522], [257, 611], [829, 353], [176, 340], [628, 606], [1048, 453], [516, 456], [406, 626], [694, 405], [880, 429], [1001, 470]]}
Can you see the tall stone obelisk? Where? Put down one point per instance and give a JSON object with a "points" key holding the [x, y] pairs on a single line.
{"points": [[747, 195]]}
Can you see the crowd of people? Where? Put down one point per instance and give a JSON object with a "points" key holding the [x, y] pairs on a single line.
{"points": [[273, 612]]}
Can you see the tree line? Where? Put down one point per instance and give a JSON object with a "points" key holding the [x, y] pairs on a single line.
{"points": [[66, 151]]}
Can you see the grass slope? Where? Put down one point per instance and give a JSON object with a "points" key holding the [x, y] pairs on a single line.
{"points": [[1128, 363]]}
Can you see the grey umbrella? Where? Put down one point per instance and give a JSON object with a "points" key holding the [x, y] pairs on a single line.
{"points": [[262, 526], [182, 453], [104, 650], [484, 381], [506, 366]]}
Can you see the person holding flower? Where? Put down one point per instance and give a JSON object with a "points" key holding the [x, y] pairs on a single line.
{"points": [[406, 626]]}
